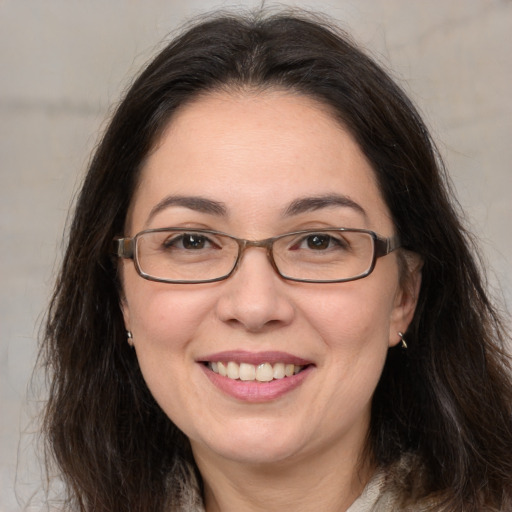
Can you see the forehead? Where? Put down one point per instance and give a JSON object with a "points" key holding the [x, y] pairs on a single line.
{"points": [[255, 152]]}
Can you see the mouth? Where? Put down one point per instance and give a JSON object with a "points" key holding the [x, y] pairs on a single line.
{"points": [[263, 372], [256, 377]]}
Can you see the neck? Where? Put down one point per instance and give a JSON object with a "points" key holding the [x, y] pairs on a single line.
{"points": [[330, 482]]}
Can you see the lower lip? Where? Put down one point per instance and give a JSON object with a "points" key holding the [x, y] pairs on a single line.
{"points": [[254, 391]]}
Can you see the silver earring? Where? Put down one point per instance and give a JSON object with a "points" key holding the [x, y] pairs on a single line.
{"points": [[404, 343], [130, 338]]}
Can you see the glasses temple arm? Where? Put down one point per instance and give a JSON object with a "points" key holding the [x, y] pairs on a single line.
{"points": [[384, 246], [123, 247], [392, 244]]}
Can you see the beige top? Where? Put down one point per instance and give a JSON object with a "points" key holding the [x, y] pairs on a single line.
{"points": [[372, 498]]}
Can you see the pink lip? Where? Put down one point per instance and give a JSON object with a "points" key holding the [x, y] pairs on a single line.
{"points": [[241, 356], [256, 392]]}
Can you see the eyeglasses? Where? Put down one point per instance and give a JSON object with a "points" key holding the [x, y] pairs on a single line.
{"points": [[188, 256]]}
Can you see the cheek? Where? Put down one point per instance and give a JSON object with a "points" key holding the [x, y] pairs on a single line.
{"points": [[353, 322], [356, 313], [159, 313], [164, 321]]}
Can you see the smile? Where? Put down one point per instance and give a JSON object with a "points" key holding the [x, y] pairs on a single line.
{"points": [[264, 372]]}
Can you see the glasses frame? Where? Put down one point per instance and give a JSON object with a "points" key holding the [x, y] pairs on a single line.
{"points": [[126, 247]]}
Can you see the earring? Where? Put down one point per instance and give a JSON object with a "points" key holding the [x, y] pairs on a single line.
{"points": [[130, 338], [404, 343]]}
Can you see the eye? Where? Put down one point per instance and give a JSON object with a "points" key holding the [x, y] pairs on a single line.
{"points": [[318, 242], [321, 242], [188, 241]]}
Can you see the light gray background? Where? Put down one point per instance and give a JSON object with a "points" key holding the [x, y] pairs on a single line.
{"points": [[63, 62]]}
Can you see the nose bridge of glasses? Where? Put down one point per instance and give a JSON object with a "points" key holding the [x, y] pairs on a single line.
{"points": [[265, 244]]}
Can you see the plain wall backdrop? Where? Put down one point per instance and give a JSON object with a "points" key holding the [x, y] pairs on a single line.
{"points": [[64, 62]]}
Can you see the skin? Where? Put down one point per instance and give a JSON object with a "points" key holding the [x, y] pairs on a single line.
{"points": [[256, 153]]}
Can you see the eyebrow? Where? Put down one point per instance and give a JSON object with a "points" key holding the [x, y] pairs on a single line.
{"points": [[217, 208], [310, 204], [196, 203]]}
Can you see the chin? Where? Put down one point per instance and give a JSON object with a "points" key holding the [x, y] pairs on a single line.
{"points": [[260, 444]]}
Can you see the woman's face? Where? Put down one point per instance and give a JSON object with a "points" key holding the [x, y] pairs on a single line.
{"points": [[253, 156]]}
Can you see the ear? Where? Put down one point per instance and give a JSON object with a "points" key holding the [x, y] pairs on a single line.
{"points": [[123, 304], [406, 297]]}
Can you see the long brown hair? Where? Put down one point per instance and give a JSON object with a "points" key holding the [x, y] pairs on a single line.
{"points": [[446, 405]]}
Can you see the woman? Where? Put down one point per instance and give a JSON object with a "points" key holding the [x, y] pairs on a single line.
{"points": [[268, 300]]}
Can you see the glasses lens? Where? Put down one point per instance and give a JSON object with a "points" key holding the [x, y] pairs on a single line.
{"points": [[175, 255], [324, 255]]}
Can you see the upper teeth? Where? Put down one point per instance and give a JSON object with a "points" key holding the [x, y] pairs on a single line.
{"points": [[264, 372]]}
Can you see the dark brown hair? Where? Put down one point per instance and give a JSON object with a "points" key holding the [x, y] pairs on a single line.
{"points": [[446, 404]]}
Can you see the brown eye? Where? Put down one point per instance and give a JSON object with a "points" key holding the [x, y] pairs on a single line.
{"points": [[318, 242], [187, 241], [193, 241]]}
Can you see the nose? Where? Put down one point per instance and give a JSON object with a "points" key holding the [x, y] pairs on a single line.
{"points": [[255, 297]]}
